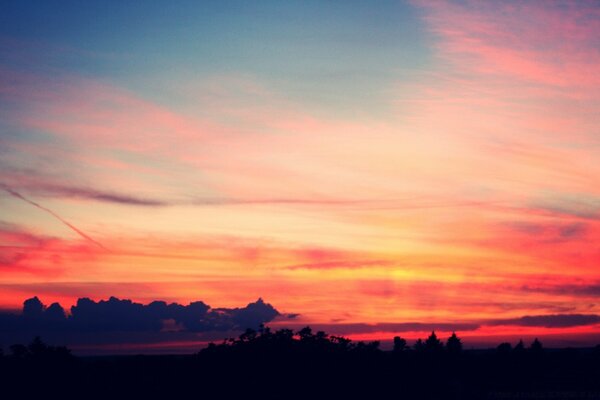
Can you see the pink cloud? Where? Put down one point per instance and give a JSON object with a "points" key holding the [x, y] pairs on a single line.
{"points": [[27, 255], [547, 43]]}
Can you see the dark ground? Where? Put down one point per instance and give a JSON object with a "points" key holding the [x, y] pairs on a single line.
{"points": [[287, 365]]}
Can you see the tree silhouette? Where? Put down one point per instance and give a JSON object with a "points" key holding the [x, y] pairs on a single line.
{"points": [[504, 348], [454, 344], [419, 345], [305, 333], [519, 348], [367, 347], [18, 350], [399, 344], [284, 335], [433, 344], [536, 347], [248, 335], [341, 342], [37, 347], [38, 350]]}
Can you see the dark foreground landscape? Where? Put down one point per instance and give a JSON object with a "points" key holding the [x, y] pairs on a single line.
{"points": [[284, 364]]}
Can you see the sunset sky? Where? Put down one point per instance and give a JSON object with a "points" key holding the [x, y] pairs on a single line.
{"points": [[370, 166]]}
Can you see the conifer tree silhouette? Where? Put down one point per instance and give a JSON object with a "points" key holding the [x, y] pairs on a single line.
{"points": [[519, 348], [433, 344], [454, 344], [536, 347]]}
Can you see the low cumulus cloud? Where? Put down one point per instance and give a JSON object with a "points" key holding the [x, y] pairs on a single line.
{"points": [[89, 318]]}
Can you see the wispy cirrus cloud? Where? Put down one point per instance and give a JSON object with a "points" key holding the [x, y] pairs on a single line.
{"points": [[488, 39], [341, 264], [86, 193], [578, 205], [587, 289], [37, 184]]}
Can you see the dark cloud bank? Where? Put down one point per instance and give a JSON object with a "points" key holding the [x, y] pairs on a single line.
{"points": [[534, 321], [127, 316], [550, 321], [124, 321]]}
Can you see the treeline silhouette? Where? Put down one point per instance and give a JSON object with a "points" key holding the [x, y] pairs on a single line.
{"points": [[286, 364], [305, 342]]}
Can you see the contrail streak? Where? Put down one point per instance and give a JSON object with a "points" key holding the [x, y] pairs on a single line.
{"points": [[55, 215]]}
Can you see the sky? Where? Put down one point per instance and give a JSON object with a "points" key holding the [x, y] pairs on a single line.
{"points": [[372, 168]]}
